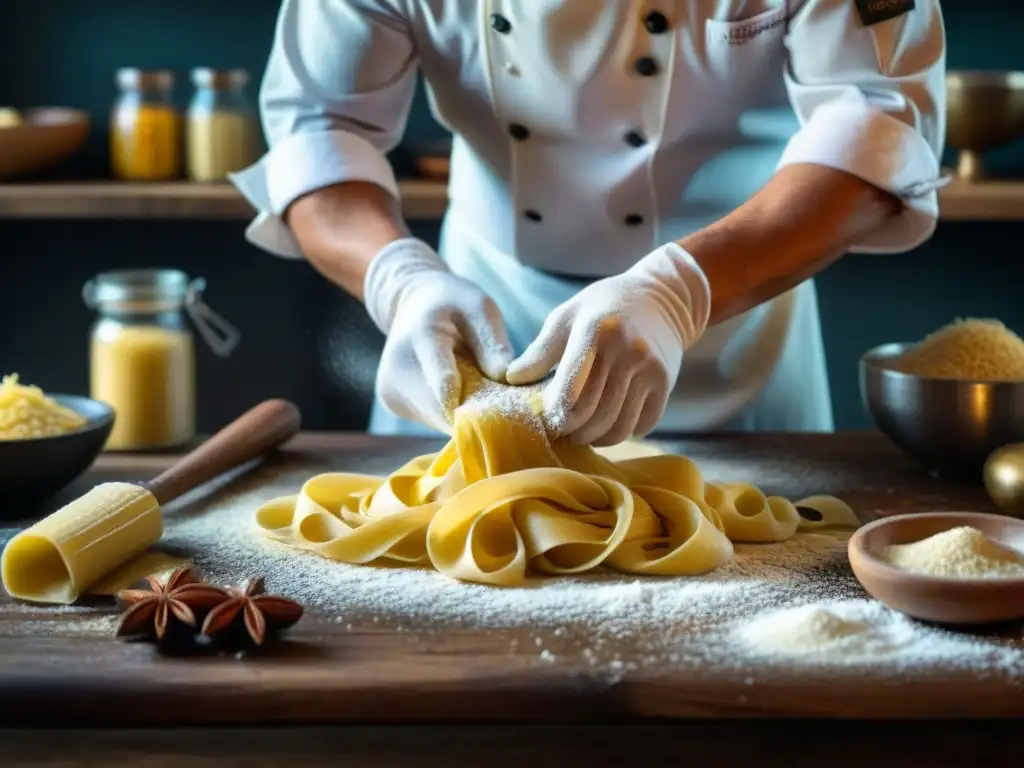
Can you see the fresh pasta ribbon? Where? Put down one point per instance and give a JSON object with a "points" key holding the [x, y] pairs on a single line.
{"points": [[500, 500]]}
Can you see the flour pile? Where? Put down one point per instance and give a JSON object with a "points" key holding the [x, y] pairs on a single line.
{"points": [[841, 631]]}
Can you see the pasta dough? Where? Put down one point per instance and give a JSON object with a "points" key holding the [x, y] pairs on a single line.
{"points": [[64, 554], [500, 499]]}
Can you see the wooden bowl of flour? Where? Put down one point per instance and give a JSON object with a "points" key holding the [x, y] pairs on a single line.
{"points": [[939, 598]]}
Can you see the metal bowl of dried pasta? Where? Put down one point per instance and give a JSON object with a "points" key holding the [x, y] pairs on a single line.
{"points": [[949, 425]]}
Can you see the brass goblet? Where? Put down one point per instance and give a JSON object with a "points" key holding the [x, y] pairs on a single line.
{"points": [[985, 110]]}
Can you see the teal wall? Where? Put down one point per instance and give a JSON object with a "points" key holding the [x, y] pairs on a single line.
{"points": [[65, 52], [302, 338]]}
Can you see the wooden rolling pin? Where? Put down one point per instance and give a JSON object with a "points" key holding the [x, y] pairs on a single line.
{"points": [[58, 558]]}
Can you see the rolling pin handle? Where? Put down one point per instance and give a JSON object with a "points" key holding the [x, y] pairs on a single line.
{"points": [[254, 433]]}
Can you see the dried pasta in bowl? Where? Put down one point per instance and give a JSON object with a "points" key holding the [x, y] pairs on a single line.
{"points": [[26, 412]]}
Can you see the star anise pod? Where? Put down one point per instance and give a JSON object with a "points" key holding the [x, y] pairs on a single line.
{"points": [[254, 611], [181, 597]]}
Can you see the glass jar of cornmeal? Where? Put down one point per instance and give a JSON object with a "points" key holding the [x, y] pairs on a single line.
{"points": [[142, 353], [223, 130]]}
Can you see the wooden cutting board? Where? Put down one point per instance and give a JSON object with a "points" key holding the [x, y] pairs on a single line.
{"points": [[61, 669]]}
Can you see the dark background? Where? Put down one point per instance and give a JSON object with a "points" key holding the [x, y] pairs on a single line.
{"points": [[305, 340]]}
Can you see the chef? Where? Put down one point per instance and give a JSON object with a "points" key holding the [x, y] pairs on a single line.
{"points": [[640, 193]]}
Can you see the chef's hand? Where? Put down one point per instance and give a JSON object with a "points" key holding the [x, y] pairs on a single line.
{"points": [[617, 347], [428, 313]]}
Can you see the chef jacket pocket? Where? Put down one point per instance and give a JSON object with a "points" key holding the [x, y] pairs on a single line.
{"points": [[745, 48]]}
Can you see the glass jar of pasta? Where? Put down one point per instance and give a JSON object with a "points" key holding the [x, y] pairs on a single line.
{"points": [[142, 355], [222, 126], [145, 127]]}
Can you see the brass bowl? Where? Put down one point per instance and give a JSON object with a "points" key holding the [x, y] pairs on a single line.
{"points": [[1004, 478], [984, 111]]}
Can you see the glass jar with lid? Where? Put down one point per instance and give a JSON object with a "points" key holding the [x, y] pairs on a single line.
{"points": [[142, 355], [223, 132], [145, 127]]}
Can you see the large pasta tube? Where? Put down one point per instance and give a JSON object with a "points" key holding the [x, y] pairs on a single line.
{"points": [[61, 556]]}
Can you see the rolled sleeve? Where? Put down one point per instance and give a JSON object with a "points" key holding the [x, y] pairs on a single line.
{"points": [[872, 102], [334, 101]]}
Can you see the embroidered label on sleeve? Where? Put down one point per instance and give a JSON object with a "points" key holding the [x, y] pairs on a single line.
{"points": [[875, 11]]}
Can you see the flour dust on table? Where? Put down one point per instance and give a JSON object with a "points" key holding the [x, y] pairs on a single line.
{"points": [[63, 623], [611, 623]]}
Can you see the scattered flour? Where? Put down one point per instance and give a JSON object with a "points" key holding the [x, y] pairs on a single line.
{"points": [[522, 404], [962, 552], [60, 624], [793, 603]]}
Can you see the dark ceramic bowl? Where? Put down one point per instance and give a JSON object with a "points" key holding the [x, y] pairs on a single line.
{"points": [[33, 470]]}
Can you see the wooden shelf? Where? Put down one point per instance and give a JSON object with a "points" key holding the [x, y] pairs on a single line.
{"points": [[421, 200], [982, 201]]}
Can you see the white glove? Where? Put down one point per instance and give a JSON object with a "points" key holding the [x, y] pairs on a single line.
{"points": [[618, 347], [427, 313]]}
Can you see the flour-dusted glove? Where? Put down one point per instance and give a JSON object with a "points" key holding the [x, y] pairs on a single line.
{"points": [[428, 313], [617, 347]]}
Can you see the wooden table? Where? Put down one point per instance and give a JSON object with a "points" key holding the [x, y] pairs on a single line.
{"points": [[367, 696]]}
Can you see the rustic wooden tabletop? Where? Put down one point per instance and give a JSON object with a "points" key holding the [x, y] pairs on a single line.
{"points": [[382, 687]]}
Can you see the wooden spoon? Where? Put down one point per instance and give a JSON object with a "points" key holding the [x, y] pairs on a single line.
{"points": [[935, 598]]}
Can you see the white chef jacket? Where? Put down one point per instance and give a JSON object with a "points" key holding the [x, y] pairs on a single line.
{"points": [[589, 132]]}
